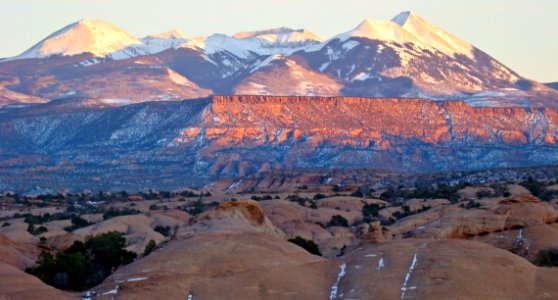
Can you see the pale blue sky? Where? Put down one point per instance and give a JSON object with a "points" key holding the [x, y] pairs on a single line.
{"points": [[520, 33]]}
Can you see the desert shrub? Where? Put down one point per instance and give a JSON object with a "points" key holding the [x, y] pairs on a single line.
{"points": [[387, 222], [190, 194], [547, 258], [83, 264], [422, 192], [36, 230], [319, 196], [32, 219], [149, 247], [357, 193], [440, 191], [306, 202], [407, 211], [371, 211], [6, 224], [308, 245], [484, 194], [77, 222], [113, 212], [470, 204], [537, 188], [258, 198], [164, 230], [338, 220], [197, 207], [154, 207]]}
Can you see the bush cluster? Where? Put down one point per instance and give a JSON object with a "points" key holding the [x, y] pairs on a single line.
{"points": [[83, 264], [308, 245]]}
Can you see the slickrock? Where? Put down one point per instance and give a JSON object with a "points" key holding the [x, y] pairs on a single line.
{"points": [[225, 258], [442, 269], [452, 222]]}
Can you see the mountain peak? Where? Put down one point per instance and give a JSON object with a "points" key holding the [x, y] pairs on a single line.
{"points": [[379, 30], [85, 36], [281, 35], [403, 17], [432, 35], [172, 34], [408, 27]]}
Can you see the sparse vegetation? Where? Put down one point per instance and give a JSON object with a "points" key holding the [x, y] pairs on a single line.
{"points": [[470, 204], [338, 220], [77, 222], [83, 264], [258, 198], [319, 196], [36, 230], [357, 193], [308, 245], [154, 207], [442, 191], [370, 211], [497, 190], [149, 247], [164, 230], [547, 258], [306, 202], [114, 212], [197, 207], [538, 189], [408, 212]]}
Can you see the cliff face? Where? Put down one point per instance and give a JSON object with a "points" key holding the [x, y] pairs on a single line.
{"points": [[366, 123], [171, 144]]}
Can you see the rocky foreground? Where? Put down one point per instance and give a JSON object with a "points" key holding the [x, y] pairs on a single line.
{"points": [[239, 249], [87, 144]]}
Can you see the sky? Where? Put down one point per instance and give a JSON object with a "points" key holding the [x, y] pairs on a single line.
{"points": [[522, 34]]}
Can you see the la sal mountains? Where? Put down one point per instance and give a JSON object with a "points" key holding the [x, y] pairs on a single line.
{"points": [[404, 57], [93, 107]]}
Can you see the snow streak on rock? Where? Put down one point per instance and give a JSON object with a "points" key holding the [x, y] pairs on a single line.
{"points": [[404, 287], [381, 264], [333, 293]]}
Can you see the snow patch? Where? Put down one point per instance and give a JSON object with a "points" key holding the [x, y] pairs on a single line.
{"points": [[381, 264], [408, 276], [137, 279], [361, 77], [334, 287], [113, 291]]}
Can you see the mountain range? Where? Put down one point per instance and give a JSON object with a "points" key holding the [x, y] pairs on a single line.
{"points": [[93, 107], [404, 57]]}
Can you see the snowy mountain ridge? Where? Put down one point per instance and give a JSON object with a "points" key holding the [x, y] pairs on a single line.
{"points": [[406, 56], [104, 39]]}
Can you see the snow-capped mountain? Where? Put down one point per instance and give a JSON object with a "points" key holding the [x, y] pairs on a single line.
{"points": [[152, 44], [250, 45], [403, 57], [431, 35], [85, 36]]}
